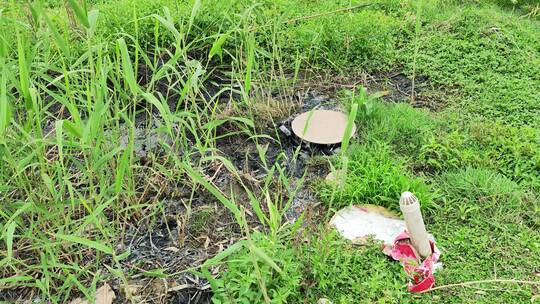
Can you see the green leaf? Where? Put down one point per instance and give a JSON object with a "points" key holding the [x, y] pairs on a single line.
{"points": [[256, 206], [224, 254], [60, 140], [225, 201], [92, 20], [35, 11], [15, 279], [123, 256], [194, 10], [217, 46], [169, 24], [163, 109], [86, 242], [349, 128], [249, 65], [3, 46], [156, 273], [268, 260], [122, 168], [5, 108], [24, 73], [73, 129], [127, 67], [80, 13], [59, 40], [9, 238]]}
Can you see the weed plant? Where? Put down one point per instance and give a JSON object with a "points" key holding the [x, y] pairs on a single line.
{"points": [[375, 175], [80, 80]]}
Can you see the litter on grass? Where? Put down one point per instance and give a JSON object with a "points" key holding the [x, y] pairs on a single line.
{"points": [[421, 272], [358, 223], [410, 206], [325, 127]]}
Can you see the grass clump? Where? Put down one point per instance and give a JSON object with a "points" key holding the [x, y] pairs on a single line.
{"points": [[247, 272], [490, 61], [399, 124], [345, 41], [377, 176], [512, 151], [326, 266], [484, 227], [336, 270], [483, 189]]}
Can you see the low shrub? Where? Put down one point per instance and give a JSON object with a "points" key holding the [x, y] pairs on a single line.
{"points": [[374, 176], [336, 270], [511, 151], [490, 61], [399, 124], [241, 283]]}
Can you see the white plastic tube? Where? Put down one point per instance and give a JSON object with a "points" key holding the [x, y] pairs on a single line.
{"points": [[410, 206]]}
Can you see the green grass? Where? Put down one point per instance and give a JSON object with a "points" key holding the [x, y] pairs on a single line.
{"points": [[486, 57], [375, 176], [472, 196], [78, 84]]}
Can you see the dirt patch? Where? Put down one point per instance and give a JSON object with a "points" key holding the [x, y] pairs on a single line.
{"points": [[397, 84], [193, 226]]}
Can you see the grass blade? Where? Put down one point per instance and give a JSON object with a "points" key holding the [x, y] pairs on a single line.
{"points": [[24, 74], [86, 242], [5, 108], [268, 260], [169, 24], [122, 168], [80, 13], [195, 176], [194, 10], [348, 129], [127, 67], [224, 254], [9, 239], [60, 41], [249, 65]]}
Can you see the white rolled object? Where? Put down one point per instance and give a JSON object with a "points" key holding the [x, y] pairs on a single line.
{"points": [[410, 206]]}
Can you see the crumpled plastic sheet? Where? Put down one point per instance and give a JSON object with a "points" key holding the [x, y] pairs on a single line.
{"points": [[356, 223], [420, 272]]}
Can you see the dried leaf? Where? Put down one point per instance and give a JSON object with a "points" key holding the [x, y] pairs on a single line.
{"points": [[104, 295], [131, 292], [178, 287], [172, 249]]}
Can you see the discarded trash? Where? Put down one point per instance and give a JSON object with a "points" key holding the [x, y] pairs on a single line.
{"points": [[357, 223], [419, 255], [410, 206], [324, 127], [285, 131], [420, 272]]}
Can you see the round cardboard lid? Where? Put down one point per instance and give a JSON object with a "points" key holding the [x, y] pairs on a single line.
{"points": [[323, 127]]}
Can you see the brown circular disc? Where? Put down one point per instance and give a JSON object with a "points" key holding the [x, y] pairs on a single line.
{"points": [[323, 127]]}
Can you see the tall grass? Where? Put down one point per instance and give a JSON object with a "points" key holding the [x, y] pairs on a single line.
{"points": [[70, 106]]}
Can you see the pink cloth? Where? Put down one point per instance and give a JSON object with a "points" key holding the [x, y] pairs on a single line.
{"points": [[420, 272]]}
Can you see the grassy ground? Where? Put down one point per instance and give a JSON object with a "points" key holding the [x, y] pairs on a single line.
{"points": [[140, 147]]}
